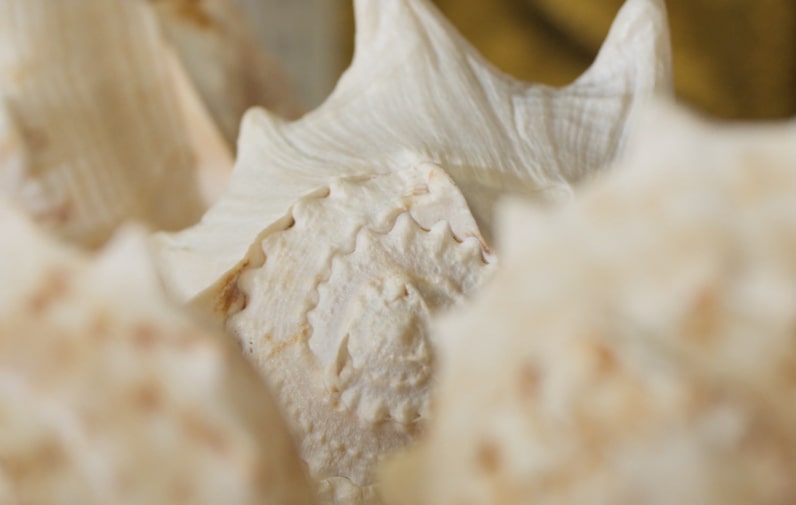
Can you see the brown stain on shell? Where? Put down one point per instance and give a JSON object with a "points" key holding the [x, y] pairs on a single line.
{"points": [[54, 287], [488, 458], [702, 323], [231, 298], [206, 435], [148, 397], [191, 11], [528, 381], [145, 336], [55, 215]]}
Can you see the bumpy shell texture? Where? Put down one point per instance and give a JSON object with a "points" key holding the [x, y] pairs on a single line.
{"points": [[333, 304], [108, 394], [90, 128], [636, 348], [343, 233]]}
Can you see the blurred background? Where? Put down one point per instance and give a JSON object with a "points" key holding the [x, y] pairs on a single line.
{"points": [[732, 58]]}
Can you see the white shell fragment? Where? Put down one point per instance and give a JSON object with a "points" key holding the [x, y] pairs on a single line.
{"points": [[224, 60], [90, 129], [342, 233], [636, 348], [109, 395], [417, 92]]}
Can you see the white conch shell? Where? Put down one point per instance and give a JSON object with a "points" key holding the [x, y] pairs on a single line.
{"points": [[221, 55], [636, 348], [331, 249], [90, 129], [108, 394], [416, 91]]}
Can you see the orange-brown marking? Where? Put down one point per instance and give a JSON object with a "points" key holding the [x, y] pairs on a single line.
{"points": [[528, 380], [204, 433], [488, 458], [56, 285], [147, 397], [701, 323], [191, 11], [231, 298], [55, 214], [145, 336]]}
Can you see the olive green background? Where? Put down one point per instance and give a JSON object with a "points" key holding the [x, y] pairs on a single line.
{"points": [[732, 58]]}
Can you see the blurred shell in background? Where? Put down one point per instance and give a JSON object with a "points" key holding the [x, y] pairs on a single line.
{"points": [[109, 394], [637, 347], [225, 60], [91, 128]]}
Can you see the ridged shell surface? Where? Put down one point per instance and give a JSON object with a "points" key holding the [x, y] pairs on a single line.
{"points": [[343, 233], [417, 91], [90, 128]]}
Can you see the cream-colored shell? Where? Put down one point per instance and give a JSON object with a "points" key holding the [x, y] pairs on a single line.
{"points": [[90, 128], [636, 348], [333, 303], [343, 233], [108, 394], [417, 92], [226, 64]]}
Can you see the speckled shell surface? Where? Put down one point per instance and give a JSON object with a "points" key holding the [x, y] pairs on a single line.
{"points": [[90, 128], [109, 394], [634, 348]]}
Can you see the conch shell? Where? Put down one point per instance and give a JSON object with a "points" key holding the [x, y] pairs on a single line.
{"points": [[416, 91], [343, 232], [224, 61], [636, 348], [108, 394], [91, 131]]}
